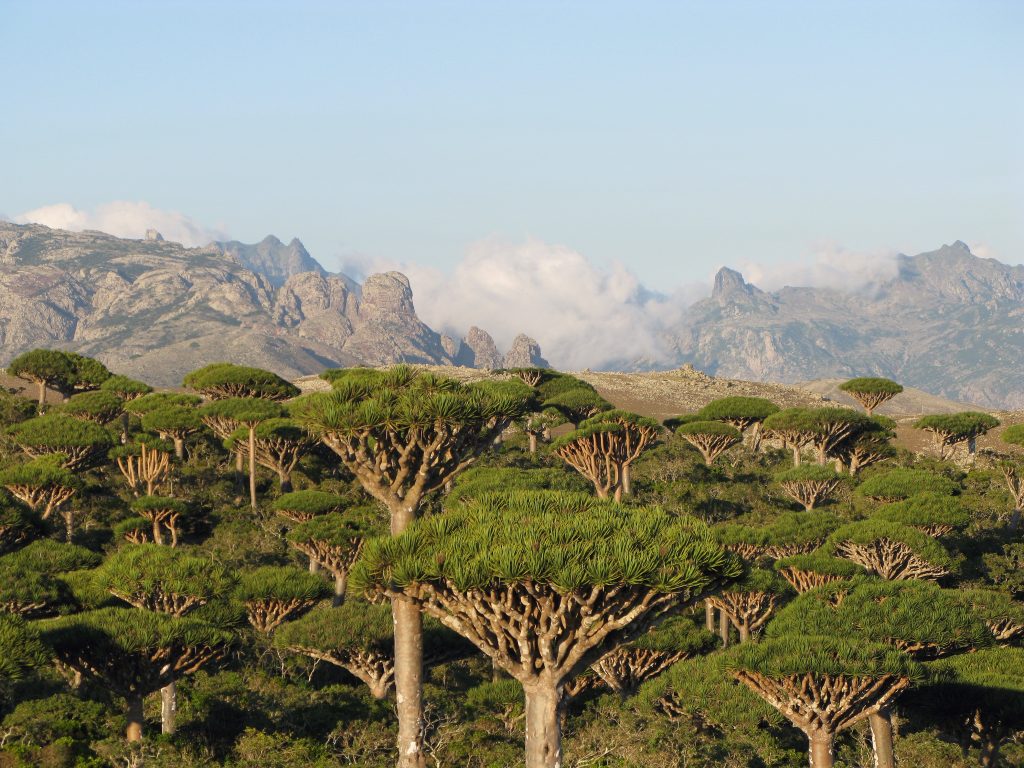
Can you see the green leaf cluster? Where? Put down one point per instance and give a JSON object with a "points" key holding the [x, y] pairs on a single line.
{"points": [[738, 409], [781, 656], [870, 385], [223, 380], [924, 509], [309, 502], [957, 427], [280, 583], [58, 430], [125, 387], [902, 483]]}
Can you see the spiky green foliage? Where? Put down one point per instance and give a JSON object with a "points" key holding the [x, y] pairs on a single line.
{"points": [[154, 400], [99, 406], [135, 530], [17, 525], [48, 556], [89, 373], [577, 404], [226, 380], [740, 412], [892, 551], [808, 571], [478, 481], [604, 447], [711, 438], [27, 592], [43, 484], [243, 410], [917, 617], [563, 540], [782, 656], [304, 505], [948, 429], [173, 421], [162, 579], [869, 443], [933, 513], [81, 442], [871, 392], [902, 483], [1003, 615], [335, 539], [532, 377], [164, 514], [274, 594], [809, 484], [790, 533], [20, 650], [49, 367], [126, 388]]}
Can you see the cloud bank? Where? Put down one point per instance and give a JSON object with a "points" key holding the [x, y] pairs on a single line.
{"points": [[827, 266], [124, 218]]}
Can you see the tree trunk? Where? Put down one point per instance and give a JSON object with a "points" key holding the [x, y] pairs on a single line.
{"points": [[796, 455], [340, 586], [286, 481], [42, 394], [755, 437], [314, 565], [543, 728], [881, 738], [158, 534], [627, 480], [989, 752], [135, 719], [69, 524], [1015, 520], [124, 428], [709, 616], [252, 466], [179, 447], [723, 628], [822, 458], [821, 751], [168, 707], [533, 442], [409, 683], [744, 629]]}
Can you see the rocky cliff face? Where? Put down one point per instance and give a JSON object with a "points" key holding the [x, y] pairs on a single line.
{"points": [[156, 310], [524, 353], [948, 323]]}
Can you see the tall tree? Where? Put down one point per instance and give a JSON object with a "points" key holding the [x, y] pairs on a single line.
{"points": [[81, 442], [604, 448], [46, 367], [173, 422], [744, 413], [950, 429], [809, 485], [249, 412], [871, 392], [279, 445], [545, 584], [273, 595], [892, 550], [334, 541], [404, 435]]}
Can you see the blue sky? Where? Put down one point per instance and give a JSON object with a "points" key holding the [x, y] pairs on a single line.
{"points": [[669, 137]]}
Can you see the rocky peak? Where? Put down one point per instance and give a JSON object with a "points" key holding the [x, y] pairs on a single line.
{"points": [[479, 350], [386, 293], [524, 353], [273, 259], [728, 282]]}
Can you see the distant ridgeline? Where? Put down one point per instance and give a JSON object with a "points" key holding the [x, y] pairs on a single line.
{"points": [[948, 322]]}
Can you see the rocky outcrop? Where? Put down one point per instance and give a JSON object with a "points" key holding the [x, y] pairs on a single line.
{"points": [[524, 353], [273, 259], [479, 351]]}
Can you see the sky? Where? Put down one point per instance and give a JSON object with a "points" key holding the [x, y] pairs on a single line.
{"points": [[796, 141]]}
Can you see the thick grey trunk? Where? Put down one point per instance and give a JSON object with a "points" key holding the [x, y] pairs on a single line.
{"points": [[533, 442], [709, 616], [286, 482], [314, 566], [627, 480], [340, 587], [543, 727], [881, 739], [723, 628], [179, 447], [168, 708], [821, 751], [133, 731], [409, 683], [252, 466]]}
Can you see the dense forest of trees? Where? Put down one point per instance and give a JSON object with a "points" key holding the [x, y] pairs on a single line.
{"points": [[410, 570]]}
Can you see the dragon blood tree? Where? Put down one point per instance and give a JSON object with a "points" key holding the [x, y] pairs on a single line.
{"points": [[162, 512], [273, 595], [950, 429], [604, 448], [931, 513], [1013, 473], [793, 427], [869, 444], [225, 416], [902, 483], [43, 484], [892, 550], [815, 569], [871, 392], [44, 367], [279, 444], [221, 381], [750, 602], [99, 406], [1003, 615], [167, 581], [831, 428], [17, 526], [125, 388], [144, 463], [538, 425], [405, 434], [89, 373], [576, 403], [545, 584], [743, 413], [824, 684], [81, 442], [20, 651], [809, 485], [791, 533], [28, 593], [334, 541], [143, 404], [978, 698], [173, 422], [359, 637], [132, 652], [302, 506], [918, 618], [711, 438]]}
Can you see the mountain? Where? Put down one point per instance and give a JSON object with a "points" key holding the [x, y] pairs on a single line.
{"points": [[156, 310], [948, 322]]}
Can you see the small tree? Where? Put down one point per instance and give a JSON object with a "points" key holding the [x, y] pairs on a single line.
{"points": [[173, 422], [929, 512], [43, 484], [744, 413], [1003, 615], [50, 557], [892, 551], [125, 388], [162, 512], [221, 381], [28, 593], [45, 367], [577, 404], [134, 530], [604, 447], [790, 534], [750, 602], [334, 541], [99, 407], [133, 652], [279, 444], [81, 442], [824, 685], [809, 485], [901, 483], [248, 412], [89, 373], [532, 377], [868, 444], [301, 506], [809, 571], [831, 428], [273, 595], [871, 392], [711, 438], [538, 426], [952, 429], [794, 427], [16, 525], [145, 463], [545, 584], [154, 400], [20, 651]]}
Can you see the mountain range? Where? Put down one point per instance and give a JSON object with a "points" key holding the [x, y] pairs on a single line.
{"points": [[948, 322]]}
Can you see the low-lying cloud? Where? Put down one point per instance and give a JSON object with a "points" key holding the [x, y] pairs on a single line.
{"points": [[124, 218], [826, 266]]}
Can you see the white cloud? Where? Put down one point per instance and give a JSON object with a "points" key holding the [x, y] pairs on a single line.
{"points": [[826, 266], [124, 218]]}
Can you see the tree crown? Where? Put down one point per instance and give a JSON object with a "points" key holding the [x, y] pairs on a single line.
{"points": [[58, 430], [245, 410], [155, 400], [48, 556], [926, 508], [786, 655], [172, 419], [221, 380], [902, 483], [280, 583], [873, 530], [126, 388], [957, 427], [46, 471], [718, 428], [808, 473], [738, 408], [870, 385], [160, 504], [309, 502], [99, 406]]}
